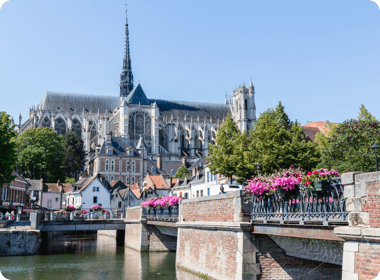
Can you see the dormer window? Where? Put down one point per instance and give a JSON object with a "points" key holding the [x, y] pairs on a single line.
{"points": [[110, 152]]}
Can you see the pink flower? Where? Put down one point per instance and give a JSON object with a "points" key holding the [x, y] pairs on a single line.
{"points": [[309, 173]]}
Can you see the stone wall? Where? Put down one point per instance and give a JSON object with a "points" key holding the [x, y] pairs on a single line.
{"points": [[19, 242], [275, 264], [133, 213], [136, 236], [159, 241], [361, 250]]}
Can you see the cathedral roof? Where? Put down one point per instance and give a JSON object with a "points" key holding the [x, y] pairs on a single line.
{"points": [[69, 102], [137, 96], [192, 109]]}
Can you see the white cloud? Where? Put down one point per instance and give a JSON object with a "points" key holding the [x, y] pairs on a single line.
{"points": [[2, 3], [376, 1]]}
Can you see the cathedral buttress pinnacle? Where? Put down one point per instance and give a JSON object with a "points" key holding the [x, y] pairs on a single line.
{"points": [[126, 77]]}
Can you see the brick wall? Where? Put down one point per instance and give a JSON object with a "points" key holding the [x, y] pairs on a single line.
{"points": [[133, 213], [276, 265], [161, 242], [208, 251], [217, 210], [371, 203], [367, 260]]}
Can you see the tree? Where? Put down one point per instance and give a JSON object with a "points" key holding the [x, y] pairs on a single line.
{"points": [[182, 172], [74, 154], [364, 114], [8, 155], [348, 146], [224, 155], [277, 143], [40, 154]]}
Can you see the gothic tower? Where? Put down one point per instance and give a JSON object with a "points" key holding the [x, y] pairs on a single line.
{"points": [[243, 107], [126, 77]]}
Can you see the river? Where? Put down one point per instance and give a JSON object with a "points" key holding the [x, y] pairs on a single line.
{"points": [[91, 257]]}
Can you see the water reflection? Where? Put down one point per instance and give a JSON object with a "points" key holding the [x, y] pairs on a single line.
{"points": [[91, 257]]}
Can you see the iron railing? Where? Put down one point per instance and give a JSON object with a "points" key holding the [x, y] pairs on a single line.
{"points": [[161, 213], [303, 205], [79, 215]]}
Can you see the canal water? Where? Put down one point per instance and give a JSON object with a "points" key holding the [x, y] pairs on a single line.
{"points": [[91, 257]]}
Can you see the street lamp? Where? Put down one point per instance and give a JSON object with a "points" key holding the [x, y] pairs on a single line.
{"points": [[375, 147], [258, 169]]}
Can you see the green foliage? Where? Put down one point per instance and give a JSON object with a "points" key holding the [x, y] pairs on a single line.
{"points": [[365, 115], [182, 172], [225, 155], [70, 181], [348, 146], [8, 155], [276, 143], [40, 154], [74, 154]]}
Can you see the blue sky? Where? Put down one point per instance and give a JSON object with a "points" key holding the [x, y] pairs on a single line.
{"points": [[320, 58]]}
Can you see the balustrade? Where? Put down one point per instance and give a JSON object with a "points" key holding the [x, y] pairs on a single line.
{"points": [[302, 205], [161, 213]]}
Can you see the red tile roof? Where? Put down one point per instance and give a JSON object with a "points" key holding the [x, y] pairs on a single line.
{"points": [[311, 129]]}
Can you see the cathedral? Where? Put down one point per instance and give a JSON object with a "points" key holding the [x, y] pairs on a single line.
{"points": [[132, 124]]}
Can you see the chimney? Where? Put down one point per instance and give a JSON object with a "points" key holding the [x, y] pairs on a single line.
{"points": [[159, 161], [184, 161], [195, 170]]}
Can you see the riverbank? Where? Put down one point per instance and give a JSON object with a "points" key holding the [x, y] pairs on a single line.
{"points": [[19, 242]]}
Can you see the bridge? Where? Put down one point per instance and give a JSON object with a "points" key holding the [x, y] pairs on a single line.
{"points": [[333, 234]]}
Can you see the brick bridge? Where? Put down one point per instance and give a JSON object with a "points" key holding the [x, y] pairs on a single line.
{"points": [[217, 236], [226, 238]]}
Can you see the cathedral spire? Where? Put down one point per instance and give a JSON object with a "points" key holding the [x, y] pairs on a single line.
{"points": [[126, 77]]}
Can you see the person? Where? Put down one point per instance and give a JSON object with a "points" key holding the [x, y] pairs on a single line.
{"points": [[221, 190]]}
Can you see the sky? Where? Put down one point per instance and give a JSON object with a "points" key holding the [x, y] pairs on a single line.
{"points": [[320, 58]]}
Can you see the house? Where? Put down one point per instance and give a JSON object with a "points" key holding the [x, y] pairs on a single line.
{"points": [[35, 188], [312, 128], [87, 192], [182, 187], [16, 192], [156, 185], [53, 195]]}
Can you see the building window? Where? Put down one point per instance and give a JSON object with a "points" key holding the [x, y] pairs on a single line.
{"points": [[133, 166], [95, 199], [186, 196], [60, 126], [112, 165], [110, 152], [107, 164], [132, 179], [97, 189], [56, 199], [127, 180], [76, 127], [94, 189], [119, 204], [197, 193], [50, 203], [208, 175], [112, 178], [106, 177], [92, 128], [201, 192]]}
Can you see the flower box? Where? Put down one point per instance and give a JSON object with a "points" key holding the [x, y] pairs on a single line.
{"points": [[322, 185]]}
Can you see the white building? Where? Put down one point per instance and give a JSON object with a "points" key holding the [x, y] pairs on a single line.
{"points": [[88, 192]]}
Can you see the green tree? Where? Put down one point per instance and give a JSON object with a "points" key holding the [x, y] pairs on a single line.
{"points": [[224, 155], [182, 172], [70, 181], [348, 146], [40, 154], [74, 154], [8, 155], [365, 115], [276, 143]]}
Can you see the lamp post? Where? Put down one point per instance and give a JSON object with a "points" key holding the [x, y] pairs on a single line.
{"points": [[258, 169], [375, 147]]}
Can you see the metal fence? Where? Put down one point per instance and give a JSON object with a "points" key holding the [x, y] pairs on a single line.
{"points": [[84, 214], [161, 213], [303, 205]]}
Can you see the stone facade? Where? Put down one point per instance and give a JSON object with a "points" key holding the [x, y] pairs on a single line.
{"points": [[19, 242], [160, 242], [133, 213]]}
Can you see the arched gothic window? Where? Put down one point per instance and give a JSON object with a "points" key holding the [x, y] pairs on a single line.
{"points": [[112, 165], [139, 124], [213, 137], [164, 139], [245, 104], [46, 122], [60, 126], [76, 127], [107, 164], [92, 128]]}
